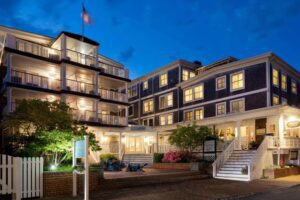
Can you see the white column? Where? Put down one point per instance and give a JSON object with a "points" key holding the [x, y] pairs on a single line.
{"points": [[96, 84], [9, 99], [281, 135], [126, 91], [238, 134], [63, 76], [157, 145], [96, 109], [120, 146], [96, 57], [126, 114], [63, 46]]}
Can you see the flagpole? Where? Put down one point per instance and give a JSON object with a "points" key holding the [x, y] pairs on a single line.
{"points": [[82, 21]]}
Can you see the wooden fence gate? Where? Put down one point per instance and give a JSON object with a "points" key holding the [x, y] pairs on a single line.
{"points": [[21, 177]]}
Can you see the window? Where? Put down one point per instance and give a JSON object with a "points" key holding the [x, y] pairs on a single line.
{"points": [[283, 82], [130, 110], [166, 119], [166, 101], [151, 122], [194, 93], [145, 85], [237, 105], [188, 95], [237, 81], [132, 92], [186, 75], [221, 83], [275, 77], [163, 80], [275, 100], [145, 122], [221, 108], [188, 116], [198, 114], [148, 106], [294, 87], [198, 91]]}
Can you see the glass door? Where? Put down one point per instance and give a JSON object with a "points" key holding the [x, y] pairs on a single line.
{"points": [[134, 144]]}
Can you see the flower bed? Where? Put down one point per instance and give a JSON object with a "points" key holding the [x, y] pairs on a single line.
{"points": [[281, 172], [177, 166]]}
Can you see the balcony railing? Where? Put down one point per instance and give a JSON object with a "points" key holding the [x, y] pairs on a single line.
{"points": [[84, 115], [81, 87], [286, 142], [80, 58], [109, 69], [24, 78], [37, 49], [112, 95], [112, 119]]}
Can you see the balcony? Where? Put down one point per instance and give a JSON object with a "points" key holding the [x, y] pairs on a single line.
{"points": [[116, 71], [81, 87], [24, 78], [37, 49], [80, 58], [112, 95], [112, 120], [84, 115]]}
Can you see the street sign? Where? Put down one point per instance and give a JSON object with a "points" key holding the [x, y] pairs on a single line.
{"points": [[80, 149]]}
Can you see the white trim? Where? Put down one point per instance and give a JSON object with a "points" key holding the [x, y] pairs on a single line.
{"points": [[243, 99], [225, 85], [165, 116], [159, 76], [166, 101], [221, 103], [235, 73]]}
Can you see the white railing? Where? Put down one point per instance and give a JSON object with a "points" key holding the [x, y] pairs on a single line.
{"points": [[84, 115], [164, 148], [80, 58], [112, 95], [259, 161], [286, 142], [112, 119], [79, 86], [37, 49], [21, 176], [33, 80], [116, 71], [244, 143], [221, 160]]}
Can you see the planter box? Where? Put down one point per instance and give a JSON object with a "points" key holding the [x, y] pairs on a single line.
{"points": [[179, 166], [281, 172]]}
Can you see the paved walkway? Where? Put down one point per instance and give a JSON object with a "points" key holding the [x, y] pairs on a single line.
{"points": [[199, 189]]}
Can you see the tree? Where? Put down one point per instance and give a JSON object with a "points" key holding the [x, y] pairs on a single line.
{"points": [[188, 138], [47, 129]]}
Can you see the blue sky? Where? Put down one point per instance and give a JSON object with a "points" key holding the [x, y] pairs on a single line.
{"points": [[147, 34]]}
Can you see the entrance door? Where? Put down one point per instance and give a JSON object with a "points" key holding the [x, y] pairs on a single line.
{"points": [[134, 144], [260, 129]]}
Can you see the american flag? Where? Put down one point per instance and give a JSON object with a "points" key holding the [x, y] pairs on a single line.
{"points": [[85, 16]]}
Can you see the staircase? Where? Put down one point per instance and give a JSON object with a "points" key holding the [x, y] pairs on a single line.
{"points": [[236, 163], [138, 158]]}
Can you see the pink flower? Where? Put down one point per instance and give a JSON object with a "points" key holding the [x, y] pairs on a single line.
{"points": [[172, 157]]}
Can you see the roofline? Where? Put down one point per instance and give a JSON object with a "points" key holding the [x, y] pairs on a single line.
{"points": [[166, 67], [291, 68]]}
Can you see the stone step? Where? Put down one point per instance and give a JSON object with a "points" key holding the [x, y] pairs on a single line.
{"points": [[231, 168], [230, 172], [238, 162], [234, 165], [233, 178], [232, 175]]}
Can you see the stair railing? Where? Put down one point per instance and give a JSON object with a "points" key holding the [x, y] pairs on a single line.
{"points": [[221, 160], [259, 161]]}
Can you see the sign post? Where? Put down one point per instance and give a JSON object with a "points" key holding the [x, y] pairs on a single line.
{"points": [[80, 150]]}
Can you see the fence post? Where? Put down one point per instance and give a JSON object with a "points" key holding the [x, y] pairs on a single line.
{"points": [[17, 177], [41, 176]]}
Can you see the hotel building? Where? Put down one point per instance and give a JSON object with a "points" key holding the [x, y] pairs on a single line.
{"points": [[253, 100]]}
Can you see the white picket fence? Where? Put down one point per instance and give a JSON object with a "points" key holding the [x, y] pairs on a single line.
{"points": [[22, 177]]}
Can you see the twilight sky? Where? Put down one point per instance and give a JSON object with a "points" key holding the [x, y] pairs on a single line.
{"points": [[147, 34]]}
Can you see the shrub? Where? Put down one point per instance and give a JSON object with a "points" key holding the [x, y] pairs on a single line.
{"points": [[158, 157], [172, 157], [106, 156]]}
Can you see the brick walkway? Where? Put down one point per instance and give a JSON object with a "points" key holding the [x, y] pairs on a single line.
{"points": [[197, 189]]}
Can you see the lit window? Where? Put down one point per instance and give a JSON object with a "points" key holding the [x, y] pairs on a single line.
{"points": [[198, 90], [275, 77], [132, 92], [221, 83], [185, 75], [221, 108], [237, 81], [170, 118], [283, 82], [163, 80], [145, 85], [192, 74], [148, 106], [237, 105], [166, 101], [188, 116], [198, 114], [294, 87], [275, 100], [188, 95], [162, 120]]}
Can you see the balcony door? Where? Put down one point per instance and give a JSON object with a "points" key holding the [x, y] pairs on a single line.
{"points": [[135, 144]]}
